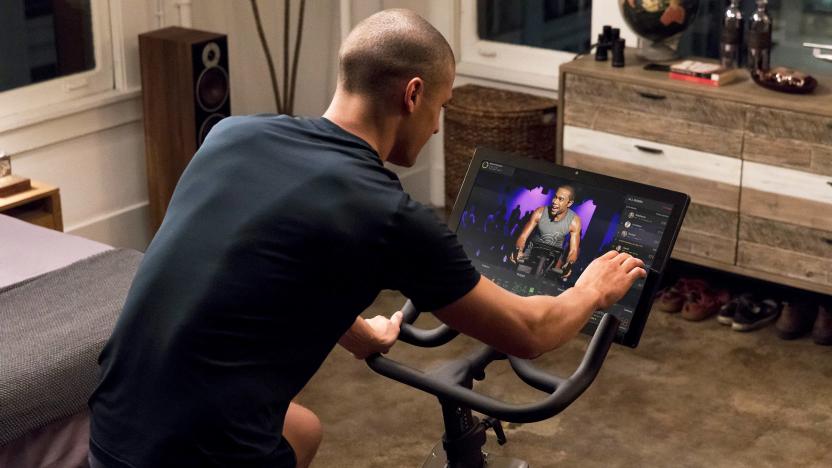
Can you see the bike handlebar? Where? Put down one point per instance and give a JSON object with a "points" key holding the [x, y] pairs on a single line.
{"points": [[419, 337], [445, 384]]}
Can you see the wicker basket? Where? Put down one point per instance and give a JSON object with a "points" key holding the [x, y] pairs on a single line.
{"points": [[503, 120]]}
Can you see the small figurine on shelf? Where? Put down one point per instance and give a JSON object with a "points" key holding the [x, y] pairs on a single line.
{"points": [[11, 184], [5, 165]]}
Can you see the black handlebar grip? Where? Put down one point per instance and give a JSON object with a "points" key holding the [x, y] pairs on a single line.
{"points": [[419, 337]]}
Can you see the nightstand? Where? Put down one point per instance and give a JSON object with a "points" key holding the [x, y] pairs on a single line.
{"points": [[40, 205]]}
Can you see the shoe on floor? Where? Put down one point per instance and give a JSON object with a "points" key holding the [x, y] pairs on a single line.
{"points": [[669, 300], [672, 299], [703, 304], [822, 331], [753, 315], [725, 316], [796, 319]]}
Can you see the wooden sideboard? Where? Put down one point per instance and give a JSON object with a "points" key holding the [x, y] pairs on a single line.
{"points": [[756, 163]]}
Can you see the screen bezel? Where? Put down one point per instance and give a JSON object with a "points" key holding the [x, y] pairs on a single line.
{"points": [[680, 202]]}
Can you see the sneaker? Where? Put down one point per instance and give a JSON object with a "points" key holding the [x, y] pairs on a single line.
{"points": [[673, 298], [725, 316], [822, 331], [751, 315], [796, 319]]}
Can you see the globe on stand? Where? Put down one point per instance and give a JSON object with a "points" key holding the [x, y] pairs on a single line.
{"points": [[660, 24]]}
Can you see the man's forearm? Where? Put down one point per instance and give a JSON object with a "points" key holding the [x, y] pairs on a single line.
{"points": [[559, 319]]}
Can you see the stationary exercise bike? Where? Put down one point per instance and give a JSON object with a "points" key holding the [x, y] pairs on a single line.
{"points": [[461, 445]]}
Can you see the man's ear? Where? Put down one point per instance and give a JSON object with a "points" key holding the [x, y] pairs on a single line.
{"points": [[414, 92]]}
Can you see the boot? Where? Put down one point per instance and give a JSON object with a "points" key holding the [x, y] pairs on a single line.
{"points": [[795, 320], [822, 332]]}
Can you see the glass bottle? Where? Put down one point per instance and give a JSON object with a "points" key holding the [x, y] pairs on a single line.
{"points": [[729, 46], [759, 38]]}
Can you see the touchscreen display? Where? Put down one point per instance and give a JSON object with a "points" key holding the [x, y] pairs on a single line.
{"points": [[533, 233]]}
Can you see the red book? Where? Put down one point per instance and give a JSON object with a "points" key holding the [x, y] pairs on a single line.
{"points": [[693, 79]]}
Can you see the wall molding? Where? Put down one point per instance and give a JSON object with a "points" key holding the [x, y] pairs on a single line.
{"points": [[71, 120], [126, 227]]}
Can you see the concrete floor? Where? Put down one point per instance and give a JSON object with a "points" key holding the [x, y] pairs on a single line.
{"points": [[691, 395]]}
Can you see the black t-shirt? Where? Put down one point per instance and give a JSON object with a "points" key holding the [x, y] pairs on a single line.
{"points": [[280, 232]]}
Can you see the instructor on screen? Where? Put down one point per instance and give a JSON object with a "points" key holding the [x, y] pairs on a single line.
{"points": [[550, 228]]}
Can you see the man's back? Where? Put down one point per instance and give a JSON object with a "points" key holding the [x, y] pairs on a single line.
{"points": [[269, 250]]}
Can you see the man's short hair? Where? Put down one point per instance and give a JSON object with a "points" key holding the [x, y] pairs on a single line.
{"points": [[389, 48], [571, 191]]}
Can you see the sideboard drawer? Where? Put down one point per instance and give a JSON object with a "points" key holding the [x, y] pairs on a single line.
{"points": [[680, 119], [778, 123], [786, 196], [784, 262], [710, 233], [784, 235], [709, 179], [789, 139]]}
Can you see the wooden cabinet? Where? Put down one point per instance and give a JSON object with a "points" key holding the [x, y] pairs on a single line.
{"points": [[40, 205], [757, 164]]}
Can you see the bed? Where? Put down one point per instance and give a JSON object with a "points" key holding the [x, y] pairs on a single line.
{"points": [[60, 296]]}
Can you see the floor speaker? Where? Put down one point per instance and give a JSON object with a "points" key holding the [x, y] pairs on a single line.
{"points": [[185, 92]]}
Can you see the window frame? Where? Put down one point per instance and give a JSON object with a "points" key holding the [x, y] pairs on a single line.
{"points": [[26, 99], [514, 63], [521, 65]]}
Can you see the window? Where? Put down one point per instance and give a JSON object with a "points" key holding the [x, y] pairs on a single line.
{"points": [[53, 51], [549, 24], [523, 42]]}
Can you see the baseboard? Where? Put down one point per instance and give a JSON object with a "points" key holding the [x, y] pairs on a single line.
{"points": [[128, 227]]}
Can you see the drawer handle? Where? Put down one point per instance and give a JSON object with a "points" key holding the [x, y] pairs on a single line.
{"points": [[829, 182], [650, 150], [827, 240], [655, 97]]}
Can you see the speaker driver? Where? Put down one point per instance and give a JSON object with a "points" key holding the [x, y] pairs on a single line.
{"points": [[207, 125], [212, 88], [211, 55]]}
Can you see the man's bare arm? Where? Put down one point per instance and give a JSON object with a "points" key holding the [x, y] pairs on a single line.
{"points": [[527, 231], [529, 326], [574, 239]]}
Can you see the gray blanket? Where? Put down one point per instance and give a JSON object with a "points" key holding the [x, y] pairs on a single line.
{"points": [[52, 329]]}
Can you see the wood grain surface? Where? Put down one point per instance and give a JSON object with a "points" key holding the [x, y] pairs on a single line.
{"points": [[700, 244], [812, 214], [785, 236], [653, 101], [778, 123], [784, 262]]}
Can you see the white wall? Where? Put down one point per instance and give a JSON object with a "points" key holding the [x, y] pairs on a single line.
{"points": [[251, 90]]}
